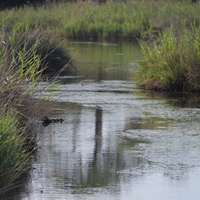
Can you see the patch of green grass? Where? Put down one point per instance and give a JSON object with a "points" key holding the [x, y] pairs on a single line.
{"points": [[112, 20], [13, 158], [172, 62]]}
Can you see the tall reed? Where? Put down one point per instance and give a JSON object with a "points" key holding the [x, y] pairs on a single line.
{"points": [[14, 158], [20, 66], [172, 62]]}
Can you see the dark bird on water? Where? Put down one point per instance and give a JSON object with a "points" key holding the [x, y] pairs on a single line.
{"points": [[46, 121]]}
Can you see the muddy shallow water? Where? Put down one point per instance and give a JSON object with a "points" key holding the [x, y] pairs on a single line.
{"points": [[117, 142]]}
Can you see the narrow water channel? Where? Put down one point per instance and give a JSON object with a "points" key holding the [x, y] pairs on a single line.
{"points": [[117, 142]]}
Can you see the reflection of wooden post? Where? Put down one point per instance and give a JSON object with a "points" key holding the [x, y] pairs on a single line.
{"points": [[98, 130], [98, 143], [100, 72], [98, 136]]}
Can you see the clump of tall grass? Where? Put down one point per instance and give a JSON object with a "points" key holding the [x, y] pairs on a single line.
{"points": [[172, 62], [54, 59], [13, 157], [18, 68], [21, 60]]}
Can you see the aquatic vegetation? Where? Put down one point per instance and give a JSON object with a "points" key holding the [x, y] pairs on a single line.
{"points": [[20, 66], [13, 157], [15, 117], [172, 62]]}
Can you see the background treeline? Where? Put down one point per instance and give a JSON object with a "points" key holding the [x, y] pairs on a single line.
{"points": [[18, 3], [86, 20]]}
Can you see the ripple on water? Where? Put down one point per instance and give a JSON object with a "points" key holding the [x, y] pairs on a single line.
{"points": [[116, 142]]}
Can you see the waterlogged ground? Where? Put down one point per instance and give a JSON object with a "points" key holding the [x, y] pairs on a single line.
{"points": [[117, 142]]}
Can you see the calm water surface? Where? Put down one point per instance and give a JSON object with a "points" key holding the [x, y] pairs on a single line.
{"points": [[117, 142]]}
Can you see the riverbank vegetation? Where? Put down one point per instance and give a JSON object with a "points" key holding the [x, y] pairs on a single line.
{"points": [[23, 61], [172, 62], [171, 59], [132, 20], [15, 121]]}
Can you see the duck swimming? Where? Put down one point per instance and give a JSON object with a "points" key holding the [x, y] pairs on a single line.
{"points": [[46, 121]]}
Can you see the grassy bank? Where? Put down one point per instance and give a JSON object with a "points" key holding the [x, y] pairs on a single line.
{"points": [[23, 60], [14, 121], [172, 62], [86, 20]]}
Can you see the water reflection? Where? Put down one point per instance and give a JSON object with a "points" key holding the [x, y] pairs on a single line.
{"points": [[77, 156], [117, 141], [183, 100], [149, 123], [104, 61], [100, 149], [98, 131]]}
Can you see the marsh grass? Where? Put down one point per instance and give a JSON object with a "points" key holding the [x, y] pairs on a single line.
{"points": [[21, 61], [172, 62], [86, 20], [45, 48], [14, 158]]}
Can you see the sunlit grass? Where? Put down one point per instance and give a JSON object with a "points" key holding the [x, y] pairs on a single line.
{"points": [[22, 64], [112, 20], [172, 62], [18, 67]]}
